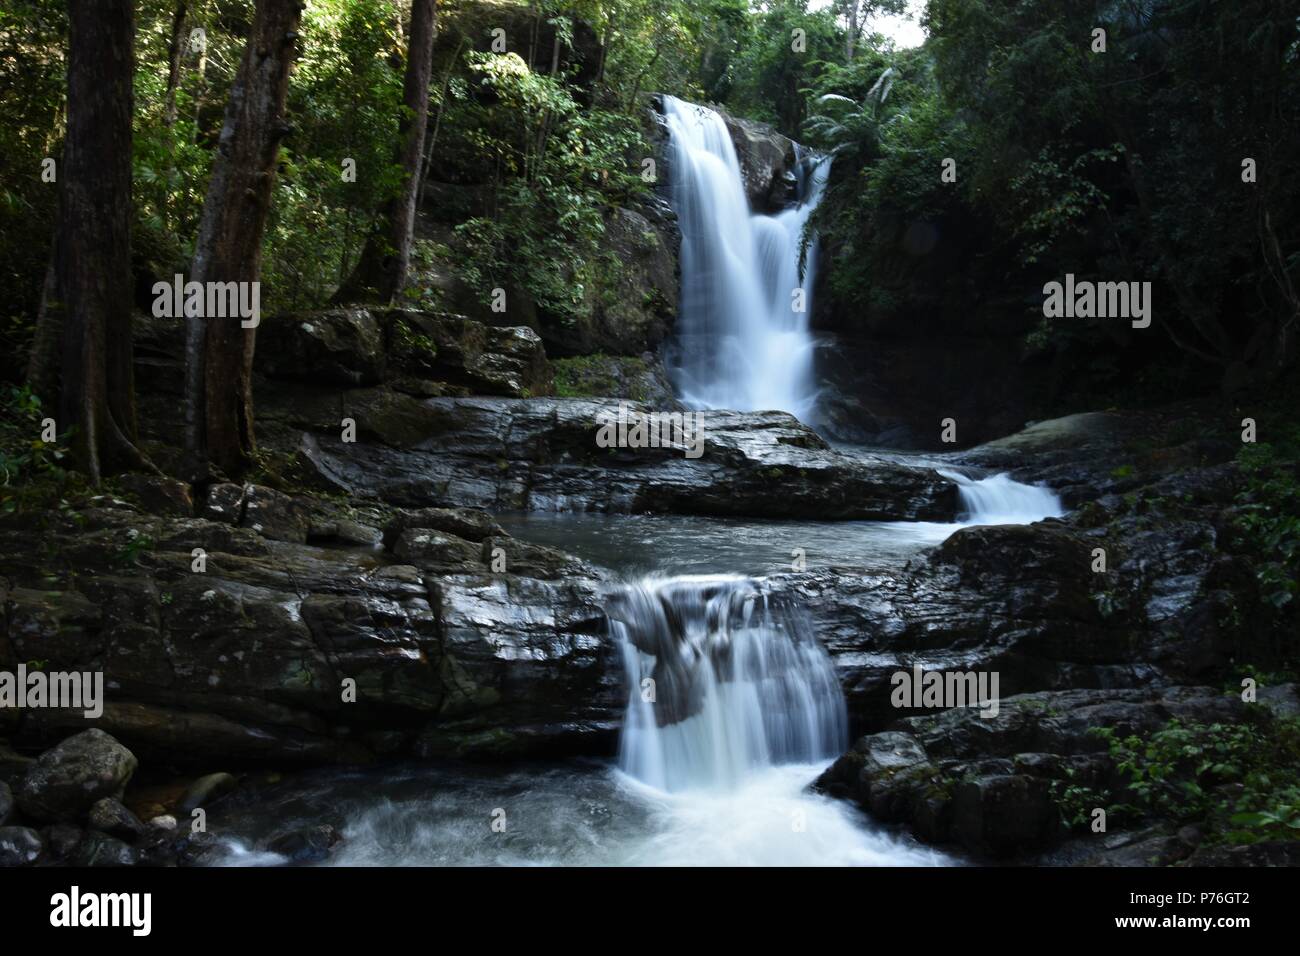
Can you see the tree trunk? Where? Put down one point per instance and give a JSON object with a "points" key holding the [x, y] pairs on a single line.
{"points": [[431, 139], [43, 360], [174, 50], [386, 255], [93, 248], [219, 351]]}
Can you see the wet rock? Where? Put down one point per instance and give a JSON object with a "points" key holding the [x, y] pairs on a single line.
{"points": [[987, 785], [62, 840], [344, 531], [112, 817], [634, 314], [1004, 815], [543, 455], [68, 779], [58, 626], [13, 765], [512, 556], [1264, 853], [193, 849], [19, 846], [433, 549], [472, 524], [275, 515], [250, 661], [224, 502], [638, 379], [6, 803], [1282, 700], [211, 536], [339, 346], [159, 495], [204, 791], [99, 849], [1153, 846], [307, 844], [767, 160], [530, 668], [458, 350]]}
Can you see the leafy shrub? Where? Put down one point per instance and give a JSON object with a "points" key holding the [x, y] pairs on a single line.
{"points": [[1241, 782]]}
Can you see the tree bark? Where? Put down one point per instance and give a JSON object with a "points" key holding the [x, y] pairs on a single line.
{"points": [[93, 249], [386, 256], [219, 351], [175, 47], [43, 360]]}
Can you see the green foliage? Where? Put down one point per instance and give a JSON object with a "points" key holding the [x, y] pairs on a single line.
{"points": [[345, 101], [32, 475], [1127, 164], [555, 169], [22, 452], [1268, 514], [31, 101], [1241, 782], [882, 118], [585, 376], [771, 77]]}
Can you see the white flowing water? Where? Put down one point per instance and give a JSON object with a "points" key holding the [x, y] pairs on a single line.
{"points": [[742, 338], [725, 679], [999, 500], [734, 708]]}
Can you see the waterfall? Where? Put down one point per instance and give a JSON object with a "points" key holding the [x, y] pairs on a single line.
{"points": [[742, 340], [725, 678], [999, 500]]}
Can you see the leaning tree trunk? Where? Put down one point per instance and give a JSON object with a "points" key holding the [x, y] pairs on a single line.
{"points": [[92, 280], [219, 351], [386, 256]]}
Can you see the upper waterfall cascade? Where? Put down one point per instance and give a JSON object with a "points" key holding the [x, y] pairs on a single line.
{"points": [[743, 339]]}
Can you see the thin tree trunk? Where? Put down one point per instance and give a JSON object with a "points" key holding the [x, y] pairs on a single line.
{"points": [[93, 261], [532, 40], [851, 35], [387, 252], [219, 351], [175, 47], [431, 140], [43, 360]]}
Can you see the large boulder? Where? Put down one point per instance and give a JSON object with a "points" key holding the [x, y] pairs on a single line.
{"points": [[338, 346], [112, 817], [767, 162], [484, 359], [634, 312], [66, 781]]}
